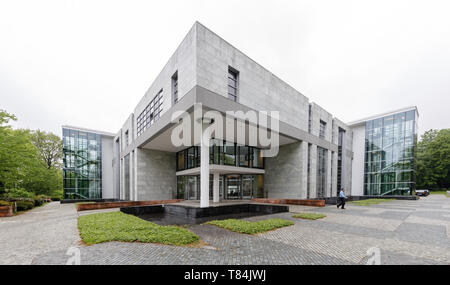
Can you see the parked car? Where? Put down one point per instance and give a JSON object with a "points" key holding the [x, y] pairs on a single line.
{"points": [[422, 192]]}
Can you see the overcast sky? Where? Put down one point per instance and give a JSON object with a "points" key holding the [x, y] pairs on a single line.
{"points": [[88, 63]]}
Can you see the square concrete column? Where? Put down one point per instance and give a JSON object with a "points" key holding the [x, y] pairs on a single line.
{"points": [[216, 195], [329, 181], [313, 171], [204, 167], [303, 170], [334, 175]]}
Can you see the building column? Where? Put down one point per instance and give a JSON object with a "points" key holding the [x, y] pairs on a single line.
{"points": [[216, 195], [329, 174], [304, 170], [334, 174], [313, 172], [204, 167]]}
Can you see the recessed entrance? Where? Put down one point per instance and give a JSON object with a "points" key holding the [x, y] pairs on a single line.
{"points": [[231, 186]]}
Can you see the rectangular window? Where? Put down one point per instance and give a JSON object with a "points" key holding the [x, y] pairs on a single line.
{"points": [[150, 114], [175, 88], [243, 156], [323, 126], [233, 76], [127, 139], [229, 153]]}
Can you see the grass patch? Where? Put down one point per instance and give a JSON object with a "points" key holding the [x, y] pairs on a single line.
{"points": [[309, 216], [369, 202], [440, 192], [247, 227], [117, 226]]}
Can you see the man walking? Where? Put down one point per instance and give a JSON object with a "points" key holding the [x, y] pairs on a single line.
{"points": [[342, 198]]}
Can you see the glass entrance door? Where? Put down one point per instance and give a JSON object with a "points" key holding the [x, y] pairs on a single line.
{"points": [[192, 187], [247, 186], [233, 187]]}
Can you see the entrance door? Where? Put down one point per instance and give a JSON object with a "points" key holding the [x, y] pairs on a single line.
{"points": [[192, 188], [247, 186], [233, 187]]}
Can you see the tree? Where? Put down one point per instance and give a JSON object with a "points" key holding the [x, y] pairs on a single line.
{"points": [[29, 161], [16, 153], [433, 160], [49, 147]]}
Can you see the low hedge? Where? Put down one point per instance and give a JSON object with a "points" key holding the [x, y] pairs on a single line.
{"points": [[6, 203], [24, 205]]}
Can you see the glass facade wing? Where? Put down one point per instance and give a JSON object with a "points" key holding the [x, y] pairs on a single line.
{"points": [[221, 153], [389, 155], [82, 164]]}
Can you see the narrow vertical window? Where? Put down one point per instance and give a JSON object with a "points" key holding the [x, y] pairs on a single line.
{"points": [[323, 126], [175, 88], [233, 76], [127, 139]]}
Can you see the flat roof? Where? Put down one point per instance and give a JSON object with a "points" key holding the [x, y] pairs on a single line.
{"points": [[361, 121], [88, 130]]}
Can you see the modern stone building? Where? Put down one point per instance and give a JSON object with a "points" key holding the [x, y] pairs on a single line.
{"points": [[315, 154]]}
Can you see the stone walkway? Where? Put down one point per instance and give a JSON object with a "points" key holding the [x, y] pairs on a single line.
{"points": [[44, 229], [405, 232]]}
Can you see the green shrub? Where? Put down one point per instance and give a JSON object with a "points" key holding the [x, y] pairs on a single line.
{"points": [[40, 200], [55, 198], [5, 203], [24, 205], [18, 193]]}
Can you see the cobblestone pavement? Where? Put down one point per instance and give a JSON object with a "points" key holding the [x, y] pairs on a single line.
{"points": [[405, 232], [47, 228]]}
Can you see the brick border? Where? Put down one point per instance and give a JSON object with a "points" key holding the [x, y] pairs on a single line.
{"points": [[6, 211], [108, 205]]}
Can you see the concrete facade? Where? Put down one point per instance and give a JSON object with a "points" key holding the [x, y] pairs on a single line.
{"points": [[156, 179]]}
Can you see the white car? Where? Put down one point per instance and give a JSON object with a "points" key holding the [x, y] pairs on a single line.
{"points": [[423, 192]]}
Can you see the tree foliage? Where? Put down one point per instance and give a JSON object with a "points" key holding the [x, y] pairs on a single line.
{"points": [[29, 160], [433, 160], [49, 147]]}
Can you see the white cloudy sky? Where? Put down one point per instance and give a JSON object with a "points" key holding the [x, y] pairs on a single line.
{"points": [[88, 63]]}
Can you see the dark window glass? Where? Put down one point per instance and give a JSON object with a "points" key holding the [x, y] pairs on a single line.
{"points": [[244, 156], [151, 113], [232, 84], [322, 129], [175, 88], [229, 152]]}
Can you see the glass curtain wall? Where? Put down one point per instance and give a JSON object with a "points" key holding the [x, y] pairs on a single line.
{"points": [[389, 157], [82, 164], [231, 186], [222, 153]]}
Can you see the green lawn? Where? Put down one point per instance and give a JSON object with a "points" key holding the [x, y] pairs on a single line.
{"points": [[117, 226], [309, 216], [247, 227], [440, 192], [369, 202]]}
